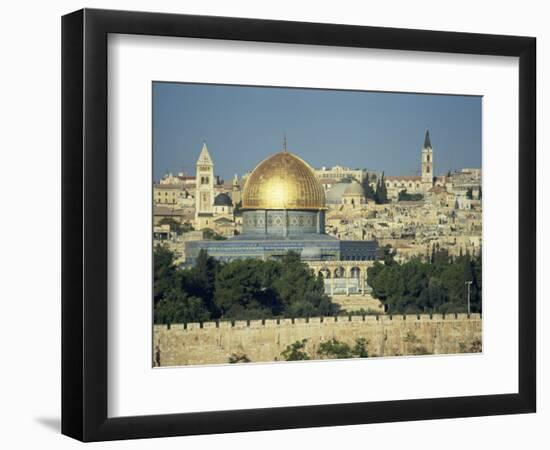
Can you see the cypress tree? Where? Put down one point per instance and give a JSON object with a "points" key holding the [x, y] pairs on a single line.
{"points": [[368, 191], [381, 191]]}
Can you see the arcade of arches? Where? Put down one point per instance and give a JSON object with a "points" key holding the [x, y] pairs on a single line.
{"points": [[343, 277]]}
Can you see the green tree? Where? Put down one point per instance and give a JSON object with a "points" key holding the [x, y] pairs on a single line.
{"points": [[360, 349], [175, 227], [436, 293], [186, 227], [238, 358], [388, 255], [244, 289], [178, 307], [334, 349], [164, 271], [241, 289], [368, 190], [200, 280], [381, 191], [211, 235], [435, 286], [404, 196], [301, 292], [413, 345], [295, 351]]}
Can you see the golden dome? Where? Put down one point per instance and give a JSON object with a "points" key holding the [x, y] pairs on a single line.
{"points": [[283, 181]]}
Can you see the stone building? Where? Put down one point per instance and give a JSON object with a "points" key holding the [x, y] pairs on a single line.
{"points": [[328, 176], [283, 209], [284, 204], [179, 215], [169, 194], [465, 180]]}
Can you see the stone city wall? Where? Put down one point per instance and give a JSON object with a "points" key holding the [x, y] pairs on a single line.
{"points": [[263, 341]]}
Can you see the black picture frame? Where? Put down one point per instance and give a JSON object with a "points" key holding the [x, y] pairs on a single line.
{"points": [[84, 224]]}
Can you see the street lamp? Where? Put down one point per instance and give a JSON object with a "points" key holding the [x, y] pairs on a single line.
{"points": [[469, 283]]}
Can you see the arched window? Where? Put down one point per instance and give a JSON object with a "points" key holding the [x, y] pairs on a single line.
{"points": [[428, 158]]}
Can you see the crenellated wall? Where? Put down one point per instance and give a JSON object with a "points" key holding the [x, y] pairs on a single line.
{"points": [[263, 341]]}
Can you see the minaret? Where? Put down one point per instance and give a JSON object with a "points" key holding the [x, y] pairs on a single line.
{"points": [[236, 191], [427, 160], [204, 191]]}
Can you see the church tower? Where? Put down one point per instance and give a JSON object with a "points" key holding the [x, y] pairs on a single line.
{"points": [[204, 191], [427, 160]]}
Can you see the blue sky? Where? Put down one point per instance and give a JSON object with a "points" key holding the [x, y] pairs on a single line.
{"points": [[374, 130]]}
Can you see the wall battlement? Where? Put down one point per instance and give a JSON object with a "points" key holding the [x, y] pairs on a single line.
{"points": [[315, 321], [265, 340]]}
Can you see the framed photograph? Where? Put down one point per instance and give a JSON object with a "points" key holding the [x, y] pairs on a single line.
{"points": [[273, 224]]}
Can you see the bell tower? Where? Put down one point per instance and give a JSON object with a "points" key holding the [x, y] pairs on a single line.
{"points": [[204, 191], [427, 160]]}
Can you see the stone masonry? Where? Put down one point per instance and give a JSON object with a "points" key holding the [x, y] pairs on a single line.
{"points": [[263, 341]]}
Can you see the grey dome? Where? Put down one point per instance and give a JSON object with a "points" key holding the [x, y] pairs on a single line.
{"points": [[354, 188], [346, 186], [223, 200]]}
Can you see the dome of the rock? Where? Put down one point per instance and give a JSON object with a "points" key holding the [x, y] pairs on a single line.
{"points": [[283, 181]]}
